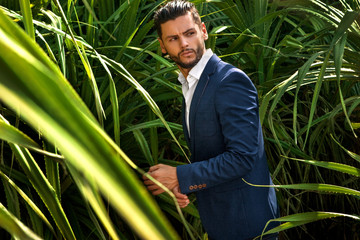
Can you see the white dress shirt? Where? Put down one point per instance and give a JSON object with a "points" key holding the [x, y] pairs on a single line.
{"points": [[189, 84]]}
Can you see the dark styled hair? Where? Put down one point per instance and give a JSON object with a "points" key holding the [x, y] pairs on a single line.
{"points": [[172, 10]]}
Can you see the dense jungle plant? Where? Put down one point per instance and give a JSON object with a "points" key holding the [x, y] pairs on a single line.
{"points": [[87, 104]]}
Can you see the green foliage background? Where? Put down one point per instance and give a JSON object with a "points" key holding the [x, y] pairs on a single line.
{"points": [[88, 103]]}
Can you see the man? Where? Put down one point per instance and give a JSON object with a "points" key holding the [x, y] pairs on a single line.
{"points": [[222, 129]]}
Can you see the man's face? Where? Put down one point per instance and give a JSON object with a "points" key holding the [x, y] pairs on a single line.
{"points": [[183, 40]]}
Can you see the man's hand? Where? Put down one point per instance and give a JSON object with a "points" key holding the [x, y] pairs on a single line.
{"points": [[163, 173], [182, 199]]}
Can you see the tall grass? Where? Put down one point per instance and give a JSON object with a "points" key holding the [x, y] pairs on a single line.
{"points": [[88, 104], [308, 84]]}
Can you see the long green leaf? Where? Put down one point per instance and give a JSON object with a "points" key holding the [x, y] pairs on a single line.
{"points": [[150, 124], [299, 219], [14, 226], [56, 22], [301, 75], [351, 154], [81, 52], [146, 96], [27, 200], [317, 187], [14, 135], [144, 146], [28, 19], [338, 55], [81, 140], [44, 189], [333, 166], [316, 95], [120, 69], [344, 25], [93, 197]]}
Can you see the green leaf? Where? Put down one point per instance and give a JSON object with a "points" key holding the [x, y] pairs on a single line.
{"points": [[13, 135], [27, 17], [65, 121], [351, 154], [27, 200], [94, 198], [299, 219], [144, 146], [317, 187], [14, 226], [355, 125], [301, 75], [44, 189], [333, 166]]}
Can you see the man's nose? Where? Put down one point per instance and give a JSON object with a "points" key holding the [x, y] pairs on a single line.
{"points": [[183, 42]]}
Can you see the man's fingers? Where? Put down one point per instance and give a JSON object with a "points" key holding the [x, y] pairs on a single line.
{"points": [[155, 167], [153, 187], [164, 174], [148, 182], [150, 173], [180, 195], [183, 204], [158, 191], [182, 199]]}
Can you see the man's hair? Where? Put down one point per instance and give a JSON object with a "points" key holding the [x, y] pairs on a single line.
{"points": [[172, 10]]}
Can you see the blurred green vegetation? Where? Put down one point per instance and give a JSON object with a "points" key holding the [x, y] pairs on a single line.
{"points": [[88, 103]]}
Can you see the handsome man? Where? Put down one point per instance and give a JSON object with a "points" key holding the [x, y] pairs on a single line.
{"points": [[222, 129]]}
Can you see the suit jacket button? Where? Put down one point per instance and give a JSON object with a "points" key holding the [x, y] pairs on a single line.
{"points": [[200, 186], [204, 185], [195, 186], [191, 187]]}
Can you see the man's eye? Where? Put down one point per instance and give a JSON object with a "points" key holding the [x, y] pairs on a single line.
{"points": [[191, 33]]}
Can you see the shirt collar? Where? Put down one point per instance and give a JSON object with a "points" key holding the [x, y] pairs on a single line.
{"points": [[197, 70]]}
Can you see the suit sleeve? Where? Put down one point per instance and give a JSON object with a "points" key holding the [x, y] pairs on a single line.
{"points": [[236, 106]]}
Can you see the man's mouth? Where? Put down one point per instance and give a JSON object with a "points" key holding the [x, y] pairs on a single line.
{"points": [[187, 52]]}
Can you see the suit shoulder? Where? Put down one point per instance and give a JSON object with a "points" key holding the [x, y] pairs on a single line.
{"points": [[228, 72]]}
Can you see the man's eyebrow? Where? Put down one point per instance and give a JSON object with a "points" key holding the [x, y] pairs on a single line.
{"points": [[175, 35], [171, 36], [189, 30]]}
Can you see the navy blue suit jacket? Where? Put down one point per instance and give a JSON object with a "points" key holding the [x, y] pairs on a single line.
{"points": [[226, 145]]}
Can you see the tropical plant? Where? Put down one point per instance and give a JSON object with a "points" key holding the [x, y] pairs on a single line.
{"points": [[96, 176], [85, 94], [301, 55]]}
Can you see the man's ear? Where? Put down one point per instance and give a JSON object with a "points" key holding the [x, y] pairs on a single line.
{"points": [[204, 31], [163, 50]]}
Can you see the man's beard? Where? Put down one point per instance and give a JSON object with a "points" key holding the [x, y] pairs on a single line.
{"points": [[198, 54]]}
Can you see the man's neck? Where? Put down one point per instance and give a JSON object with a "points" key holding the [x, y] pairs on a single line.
{"points": [[184, 71]]}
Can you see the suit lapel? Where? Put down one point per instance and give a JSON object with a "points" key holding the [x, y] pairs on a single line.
{"points": [[199, 91]]}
